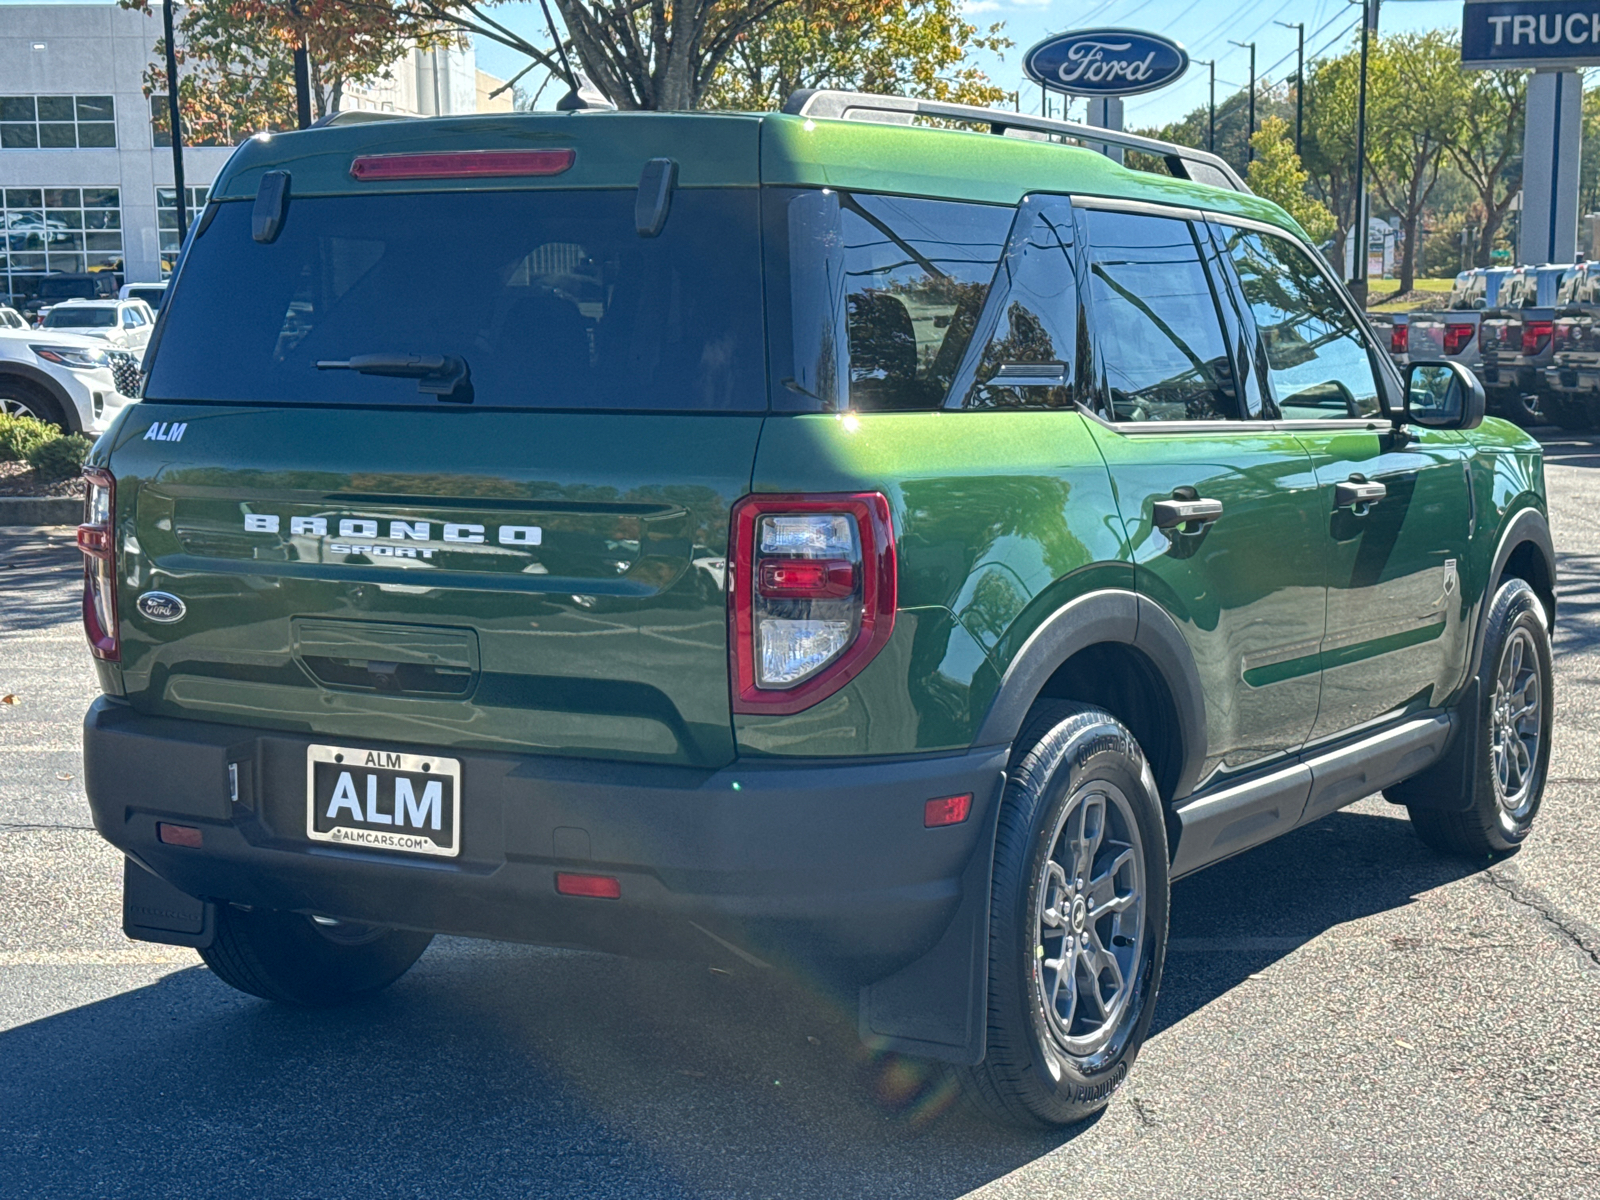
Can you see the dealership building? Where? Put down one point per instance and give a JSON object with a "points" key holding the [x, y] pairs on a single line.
{"points": [[86, 173]]}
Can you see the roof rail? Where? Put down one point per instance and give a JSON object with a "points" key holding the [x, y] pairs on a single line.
{"points": [[1184, 162]]}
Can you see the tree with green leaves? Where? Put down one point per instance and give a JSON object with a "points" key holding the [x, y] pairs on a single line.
{"points": [[1276, 174], [1485, 143], [901, 47], [1412, 94]]}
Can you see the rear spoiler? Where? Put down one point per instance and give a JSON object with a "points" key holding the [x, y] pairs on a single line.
{"points": [[1184, 162]]}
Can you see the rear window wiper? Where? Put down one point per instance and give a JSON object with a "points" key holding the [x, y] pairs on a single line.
{"points": [[441, 375]]}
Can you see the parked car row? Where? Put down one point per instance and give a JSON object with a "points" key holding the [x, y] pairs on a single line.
{"points": [[1525, 332]]}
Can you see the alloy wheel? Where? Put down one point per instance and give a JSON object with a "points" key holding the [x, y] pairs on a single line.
{"points": [[11, 406], [1516, 724], [1089, 920]]}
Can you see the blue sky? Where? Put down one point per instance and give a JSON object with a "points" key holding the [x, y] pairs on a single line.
{"points": [[1205, 29]]}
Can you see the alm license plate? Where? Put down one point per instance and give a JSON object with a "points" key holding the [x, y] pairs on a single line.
{"points": [[381, 800]]}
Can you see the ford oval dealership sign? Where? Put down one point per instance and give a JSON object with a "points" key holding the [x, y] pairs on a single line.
{"points": [[1105, 62]]}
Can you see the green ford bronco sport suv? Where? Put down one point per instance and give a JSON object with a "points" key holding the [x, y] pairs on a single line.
{"points": [[887, 551]]}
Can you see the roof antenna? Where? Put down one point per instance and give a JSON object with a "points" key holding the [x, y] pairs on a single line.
{"points": [[581, 93]]}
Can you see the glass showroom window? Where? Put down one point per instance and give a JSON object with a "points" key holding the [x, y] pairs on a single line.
{"points": [[57, 122], [167, 221], [57, 229]]}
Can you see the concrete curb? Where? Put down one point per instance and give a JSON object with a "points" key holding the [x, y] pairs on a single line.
{"points": [[40, 510]]}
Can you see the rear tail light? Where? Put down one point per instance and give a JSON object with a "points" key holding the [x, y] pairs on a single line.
{"points": [[1457, 336], [1535, 334], [812, 596], [97, 540], [1559, 335], [1398, 337], [461, 164]]}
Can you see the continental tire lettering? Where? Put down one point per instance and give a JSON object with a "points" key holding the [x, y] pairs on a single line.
{"points": [[1112, 742]]}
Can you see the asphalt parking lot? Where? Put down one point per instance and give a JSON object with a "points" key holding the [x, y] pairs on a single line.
{"points": [[1345, 1014]]}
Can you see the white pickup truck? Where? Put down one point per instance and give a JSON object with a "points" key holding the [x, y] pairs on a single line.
{"points": [[1516, 342]]}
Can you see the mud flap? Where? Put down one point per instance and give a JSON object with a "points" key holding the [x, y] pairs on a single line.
{"points": [[937, 1006], [1448, 785], [155, 911]]}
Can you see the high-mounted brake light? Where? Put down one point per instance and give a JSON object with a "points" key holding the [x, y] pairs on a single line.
{"points": [[97, 540], [812, 592], [462, 164], [1399, 336], [1535, 334]]}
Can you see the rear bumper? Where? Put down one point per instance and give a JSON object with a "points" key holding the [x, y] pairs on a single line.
{"points": [[819, 864]]}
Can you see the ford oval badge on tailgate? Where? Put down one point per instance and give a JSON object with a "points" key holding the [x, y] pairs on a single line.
{"points": [[161, 606]]}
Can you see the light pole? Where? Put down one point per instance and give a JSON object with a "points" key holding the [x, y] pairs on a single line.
{"points": [[175, 123], [1211, 120], [302, 73], [1249, 144], [1358, 274], [1299, 79]]}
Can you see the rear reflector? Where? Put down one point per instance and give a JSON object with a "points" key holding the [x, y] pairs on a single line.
{"points": [[462, 164], [947, 810], [600, 887], [178, 835]]}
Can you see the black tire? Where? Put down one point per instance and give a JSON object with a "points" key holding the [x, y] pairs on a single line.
{"points": [[18, 397], [1496, 823], [1037, 1071], [1569, 412], [291, 959]]}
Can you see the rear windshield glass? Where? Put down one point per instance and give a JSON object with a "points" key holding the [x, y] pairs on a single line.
{"points": [[550, 298], [80, 318]]}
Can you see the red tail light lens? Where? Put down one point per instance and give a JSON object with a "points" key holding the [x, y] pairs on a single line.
{"points": [[1399, 337], [1535, 334], [1559, 335], [461, 164], [1457, 336], [811, 596], [97, 540]]}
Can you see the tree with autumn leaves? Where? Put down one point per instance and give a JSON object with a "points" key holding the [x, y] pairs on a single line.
{"points": [[236, 75], [236, 58]]}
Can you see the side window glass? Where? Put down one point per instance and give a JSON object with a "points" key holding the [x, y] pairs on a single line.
{"points": [[1159, 338], [918, 272], [1318, 364], [882, 293], [1030, 326]]}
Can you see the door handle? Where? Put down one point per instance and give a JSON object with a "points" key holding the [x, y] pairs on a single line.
{"points": [[1358, 492], [1186, 511]]}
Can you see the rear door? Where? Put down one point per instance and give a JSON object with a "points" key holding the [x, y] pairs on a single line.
{"points": [[1392, 509], [1182, 425], [529, 558]]}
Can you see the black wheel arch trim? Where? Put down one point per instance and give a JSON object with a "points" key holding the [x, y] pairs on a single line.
{"points": [[1115, 616], [39, 379], [1527, 526]]}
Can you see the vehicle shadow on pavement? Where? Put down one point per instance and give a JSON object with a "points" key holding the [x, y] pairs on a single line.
{"points": [[497, 1070], [34, 564]]}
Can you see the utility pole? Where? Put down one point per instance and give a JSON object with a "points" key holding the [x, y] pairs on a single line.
{"points": [[302, 74], [175, 123], [1211, 121], [1250, 150], [1358, 276], [1299, 80]]}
